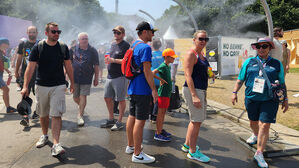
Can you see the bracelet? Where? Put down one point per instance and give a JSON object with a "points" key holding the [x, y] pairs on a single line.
{"points": [[235, 92], [286, 99]]}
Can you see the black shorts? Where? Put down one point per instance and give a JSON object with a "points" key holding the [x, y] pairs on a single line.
{"points": [[140, 106]]}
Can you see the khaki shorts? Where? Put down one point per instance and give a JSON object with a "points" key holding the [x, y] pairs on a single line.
{"points": [[50, 101], [196, 114], [81, 90], [116, 88]]}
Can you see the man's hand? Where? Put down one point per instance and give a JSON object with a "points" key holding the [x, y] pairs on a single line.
{"points": [[24, 92], [196, 102], [285, 106], [155, 95], [234, 98], [71, 88], [95, 82]]}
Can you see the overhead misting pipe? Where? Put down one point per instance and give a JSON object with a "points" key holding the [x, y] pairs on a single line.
{"points": [[147, 14], [269, 18], [188, 12]]}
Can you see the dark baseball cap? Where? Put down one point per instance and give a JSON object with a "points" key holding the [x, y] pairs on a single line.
{"points": [[145, 26], [4, 40]]}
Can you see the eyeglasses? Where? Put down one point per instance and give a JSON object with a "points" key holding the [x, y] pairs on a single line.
{"points": [[204, 39], [116, 32], [264, 46], [56, 31]]}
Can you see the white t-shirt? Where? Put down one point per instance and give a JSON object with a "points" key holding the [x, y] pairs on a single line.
{"points": [[277, 52]]}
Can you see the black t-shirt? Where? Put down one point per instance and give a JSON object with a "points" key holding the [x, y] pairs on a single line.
{"points": [[117, 51], [24, 49], [50, 64]]}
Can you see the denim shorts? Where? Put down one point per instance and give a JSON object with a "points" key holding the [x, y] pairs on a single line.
{"points": [[2, 82], [264, 111]]}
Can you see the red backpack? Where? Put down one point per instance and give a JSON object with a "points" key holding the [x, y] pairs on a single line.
{"points": [[128, 65]]}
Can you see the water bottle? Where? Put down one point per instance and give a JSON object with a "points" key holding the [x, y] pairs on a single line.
{"points": [[211, 74], [107, 55], [8, 80]]}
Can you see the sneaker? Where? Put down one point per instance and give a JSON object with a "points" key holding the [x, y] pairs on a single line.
{"points": [[130, 149], [25, 122], [57, 149], [10, 109], [165, 133], [116, 112], [142, 158], [80, 121], [252, 140], [108, 123], [117, 126], [43, 140], [34, 115], [198, 156], [185, 148], [259, 158], [160, 137]]}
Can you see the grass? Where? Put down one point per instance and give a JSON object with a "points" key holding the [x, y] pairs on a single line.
{"points": [[294, 70]]}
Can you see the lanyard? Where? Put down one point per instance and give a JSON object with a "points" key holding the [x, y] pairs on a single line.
{"points": [[264, 64]]}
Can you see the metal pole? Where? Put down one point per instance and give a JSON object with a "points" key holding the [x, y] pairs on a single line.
{"points": [[147, 14], [116, 6], [188, 12], [269, 18]]}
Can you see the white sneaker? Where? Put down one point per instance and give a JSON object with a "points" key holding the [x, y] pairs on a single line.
{"points": [[57, 149], [252, 140], [80, 121], [130, 149], [142, 158], [43, 140], [259, 158]]}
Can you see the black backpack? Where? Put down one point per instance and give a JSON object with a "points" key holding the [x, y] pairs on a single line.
{"points": [[40, 47], [175, 101]]}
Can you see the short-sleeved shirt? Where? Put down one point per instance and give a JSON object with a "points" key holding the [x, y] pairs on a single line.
{"points": [[50, 64], [117, 51], [164, 72], [277, 51], [83, 62], [250, 70], [139, 86], [24, 49], [200, 74], [157, 60]]}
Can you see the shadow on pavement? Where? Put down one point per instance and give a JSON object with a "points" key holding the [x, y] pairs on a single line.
{"points": [[86, 155], [10, 117]]}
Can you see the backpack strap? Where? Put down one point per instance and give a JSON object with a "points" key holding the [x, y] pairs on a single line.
{"points": [[40, 47], [62, 48], [133, 47]]}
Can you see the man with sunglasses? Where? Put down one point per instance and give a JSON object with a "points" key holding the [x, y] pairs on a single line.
{"points": [[24, 50], [116, 84], [50, 61], [85, 62]]}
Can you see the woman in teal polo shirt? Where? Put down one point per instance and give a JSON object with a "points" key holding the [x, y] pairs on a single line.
{"points": [[261, 108]]}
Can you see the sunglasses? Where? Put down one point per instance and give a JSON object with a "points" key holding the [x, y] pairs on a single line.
{"points": [[116, 32], [56, 31], [204, 39], [264, 46]]}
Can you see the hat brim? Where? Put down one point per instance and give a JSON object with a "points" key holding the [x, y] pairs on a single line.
{"points": [[253, 45], [173, 56]]}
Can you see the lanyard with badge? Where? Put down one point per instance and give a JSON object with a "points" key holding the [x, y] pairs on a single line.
{"points": [[259, 82]]}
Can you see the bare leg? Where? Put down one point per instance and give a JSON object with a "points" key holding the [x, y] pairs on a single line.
{"points": [[109, 104], [44, 122], [122, 108], [254, 125], [193, 135], [129, 127], [160, 119], [263, 135], [137, 135], [82, 104], [5, 90], [56, 127]]}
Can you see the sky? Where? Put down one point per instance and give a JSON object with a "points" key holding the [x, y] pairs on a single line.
{"points": [[154, 7]]}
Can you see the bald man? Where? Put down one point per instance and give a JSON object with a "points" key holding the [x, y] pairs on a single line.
{"points": [[22, 61]]}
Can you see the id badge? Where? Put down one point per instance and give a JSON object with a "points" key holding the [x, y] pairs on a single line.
{"points": [[258, 85]]}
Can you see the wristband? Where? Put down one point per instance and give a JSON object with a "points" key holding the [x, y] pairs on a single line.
{"points": [[286, 99], [235, 92]]}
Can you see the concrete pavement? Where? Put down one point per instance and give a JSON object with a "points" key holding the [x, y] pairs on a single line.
{"points": [[92, 146]]}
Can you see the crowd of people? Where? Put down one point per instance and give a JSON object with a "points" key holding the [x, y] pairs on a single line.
{"points": [[41, 67]]}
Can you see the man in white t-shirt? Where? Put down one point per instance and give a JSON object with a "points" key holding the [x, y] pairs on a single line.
{"points": [[277, 52]]}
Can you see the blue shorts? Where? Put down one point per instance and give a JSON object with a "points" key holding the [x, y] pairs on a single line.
{"points": [[2, 82], [264, 111]]}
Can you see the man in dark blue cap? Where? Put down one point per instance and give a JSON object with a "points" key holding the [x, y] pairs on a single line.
{"points": [[4, 44]]}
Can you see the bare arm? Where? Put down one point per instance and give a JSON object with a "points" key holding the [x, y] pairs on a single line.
{"points": [[237, 87], [157, 77], [288, 60], [27, 77], [150, 79], [70, 74], [96, 75], [189, 61], [18, 64]]}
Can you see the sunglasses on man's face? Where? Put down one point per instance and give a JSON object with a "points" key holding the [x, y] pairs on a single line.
{"points": [[204, 39], [116, 32], [56, 31], [264, 46]]}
